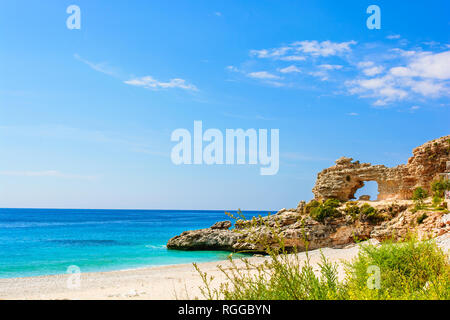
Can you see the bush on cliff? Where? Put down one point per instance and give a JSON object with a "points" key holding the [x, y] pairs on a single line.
{"points": [[421, 218], [369, 213], [325, 210], [364, 213], [439, 187], [419, 195], [311, 205], [352, 210]]}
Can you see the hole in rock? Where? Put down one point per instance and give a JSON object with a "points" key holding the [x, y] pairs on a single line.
{"points": [[370, 188]]}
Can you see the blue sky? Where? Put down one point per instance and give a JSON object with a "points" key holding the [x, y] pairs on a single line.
{"points": [[86, 115]]}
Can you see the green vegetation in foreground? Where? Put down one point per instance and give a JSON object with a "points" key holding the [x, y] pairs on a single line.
{"points": [[410, 270]]}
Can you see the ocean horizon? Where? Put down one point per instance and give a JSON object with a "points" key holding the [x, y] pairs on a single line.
{"points": [[38, 242]]}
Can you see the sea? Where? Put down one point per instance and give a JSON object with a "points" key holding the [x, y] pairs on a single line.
{"points": [[36, 242]]}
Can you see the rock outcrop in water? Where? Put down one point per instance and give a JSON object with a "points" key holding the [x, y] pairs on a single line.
{"points": [[299, 231], [217, 237]]}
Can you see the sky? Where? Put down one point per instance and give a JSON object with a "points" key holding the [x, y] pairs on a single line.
{"points": [[86, 115]]}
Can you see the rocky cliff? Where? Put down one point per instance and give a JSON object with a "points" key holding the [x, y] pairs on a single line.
{"points": [[300, 232], [395, 218], [342, 180]]}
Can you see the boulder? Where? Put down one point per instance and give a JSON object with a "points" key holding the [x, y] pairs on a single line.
{"points": [[222, 225], [205, 239]]}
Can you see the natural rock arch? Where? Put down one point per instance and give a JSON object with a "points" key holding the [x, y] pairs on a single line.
{"points": [[342, 180]]}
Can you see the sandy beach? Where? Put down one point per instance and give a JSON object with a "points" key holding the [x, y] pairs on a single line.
{"points": [[155, 283], [165, 282]]}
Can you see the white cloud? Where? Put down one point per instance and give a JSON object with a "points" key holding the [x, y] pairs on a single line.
{"points": [[424, 74], [289, 69], [232, 68], [353, 114], [428, 88], [383, 89], [373, 71], [313, 48], [320, 74], [263, 75], [365, 64], [405, 53], [324, 48], [393, 36], [293, 58], [426, 65], [383, 73], [100, 67], [330, 66], [149, 82], [270, 53]]}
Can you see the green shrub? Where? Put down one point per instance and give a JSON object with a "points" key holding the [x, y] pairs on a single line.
{"points": [[325, 210], [419, 195], [352, 210], [365, 213], [310, 205], [409, 270], [439, 187], [322, 212], [333, 203], [437, 200], [369, 213], [421, 218]]}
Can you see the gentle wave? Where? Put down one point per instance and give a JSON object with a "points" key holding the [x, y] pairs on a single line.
{"points": [[150, 246], [88, 242]]}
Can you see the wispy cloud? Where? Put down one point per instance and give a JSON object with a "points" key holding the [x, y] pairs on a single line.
{"points": [[324, 48], [393, 36], [380, 72], [263, 75], [46, 173], [102, 67], [420, 74], [149, 82], [298, 50], [289, 69]]}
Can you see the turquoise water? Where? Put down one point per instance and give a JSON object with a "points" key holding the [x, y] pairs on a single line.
{"points": [[37, 242]]}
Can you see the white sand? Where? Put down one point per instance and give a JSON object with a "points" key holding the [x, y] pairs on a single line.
{"points": [[166, 282]]}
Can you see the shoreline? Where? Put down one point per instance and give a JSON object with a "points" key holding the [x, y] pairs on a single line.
{"points": [[172, 282], [180, 281]]}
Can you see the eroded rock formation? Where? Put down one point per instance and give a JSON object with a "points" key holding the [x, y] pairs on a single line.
{"points": [[342, 180], [299, 231], [217, 237]]}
